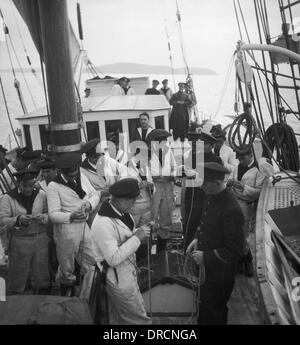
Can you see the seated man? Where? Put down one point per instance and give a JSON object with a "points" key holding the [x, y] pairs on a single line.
{"points": [[23, 212], [246, 182]]}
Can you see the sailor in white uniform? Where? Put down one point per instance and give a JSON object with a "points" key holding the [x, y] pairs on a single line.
{"points": [[246, 181], [116, 240], [71, 198]]}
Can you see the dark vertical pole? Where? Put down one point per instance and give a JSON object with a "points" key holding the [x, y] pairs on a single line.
{"points": [[57, 57]]}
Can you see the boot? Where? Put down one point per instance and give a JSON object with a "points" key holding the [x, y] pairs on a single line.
{"points": [[249, 270], [161, 244], [67, 290]]}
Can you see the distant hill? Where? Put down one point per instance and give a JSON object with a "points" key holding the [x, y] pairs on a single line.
{"points": [[135, 68]]}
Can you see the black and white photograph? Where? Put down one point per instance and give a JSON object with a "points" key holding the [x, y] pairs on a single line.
{"points": [[149, 165]]}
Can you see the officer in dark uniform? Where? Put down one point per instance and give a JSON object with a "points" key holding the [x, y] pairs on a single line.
{"points": [[218, 244], [193, 195]]}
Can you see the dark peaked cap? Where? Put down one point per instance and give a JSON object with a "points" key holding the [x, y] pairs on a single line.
{"points": [[89, 148], [208, 138], [158, 134], [47, 164], [68, 159], [214, 171], [31, 155], [26, 174], [125, 188]]}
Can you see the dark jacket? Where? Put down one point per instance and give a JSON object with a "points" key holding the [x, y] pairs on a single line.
{"points": [[219, 229]]}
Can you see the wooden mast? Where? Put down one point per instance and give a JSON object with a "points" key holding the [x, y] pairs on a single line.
{"points": [[65, 125]]}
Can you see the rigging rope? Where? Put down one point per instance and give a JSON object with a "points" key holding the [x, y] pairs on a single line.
{"points": [[23, 44], [7, 33], [8, 114]]}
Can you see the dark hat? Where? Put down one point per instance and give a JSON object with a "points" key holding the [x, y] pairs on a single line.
{"points": [[26, 174], [155, 81], [67, 160], [3, 149], [89, 148], [46, 164], [124, 79], [87, 89], [21, 150], [214, 171], [127, 188], [158, 135], [243, 151], [181, 83], [193, 136], [217, 132], [207, 138], [164, 81], [31, 155]]}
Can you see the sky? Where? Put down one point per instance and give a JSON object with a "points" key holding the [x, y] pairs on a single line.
{"points": [[134, 31]]}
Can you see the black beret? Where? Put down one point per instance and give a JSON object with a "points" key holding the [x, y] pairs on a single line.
{"points": [[155, 81], [68, 159], [26, 174], [207, 138], [214, 171], [158, 135], [127, 188], [89, 147], [164, 81], [31, 155], [181, 83]]}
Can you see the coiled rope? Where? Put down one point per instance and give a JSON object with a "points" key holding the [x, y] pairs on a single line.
{"points": [[287, 154], [242, 144]]}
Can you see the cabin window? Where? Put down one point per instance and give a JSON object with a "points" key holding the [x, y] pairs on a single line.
{"points": [[132, 125], [92, 129], [112, 129], [45, 137], [159, 122], [27, 136]]}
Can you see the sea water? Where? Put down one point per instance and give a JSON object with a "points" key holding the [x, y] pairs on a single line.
{"points": [[214, 102]]}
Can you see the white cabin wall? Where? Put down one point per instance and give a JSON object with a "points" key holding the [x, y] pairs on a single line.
{"points": [[35, 137]]}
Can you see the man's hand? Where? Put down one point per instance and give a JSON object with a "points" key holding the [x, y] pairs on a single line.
{"points": [[77, 216], [86, 207], [197, 256], [41, 218], [143, 233], [25, 219], [239, 186], [192, 246]]}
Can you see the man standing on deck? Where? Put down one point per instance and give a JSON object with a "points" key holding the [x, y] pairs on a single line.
{"points": [[89, 169], [246, 182], [23, 212], [165, 90], [153, 90], [218, 244], [163, 171], [222, 150], [192, 196], [179, 119], [71, 198]]}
